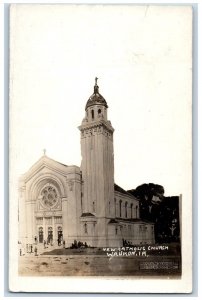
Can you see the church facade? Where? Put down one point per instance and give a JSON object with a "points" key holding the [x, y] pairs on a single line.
{"points": [[71, 203]]}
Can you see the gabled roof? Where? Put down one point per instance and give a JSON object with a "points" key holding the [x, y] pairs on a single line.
{"points": [[48, 162], [119, 189], [113, 221], [87, 215]]}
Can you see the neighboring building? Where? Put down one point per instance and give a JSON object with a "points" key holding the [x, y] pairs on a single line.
{"points": [[83, 204]]}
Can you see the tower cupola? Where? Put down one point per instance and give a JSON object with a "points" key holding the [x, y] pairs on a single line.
{"points": [[96, 106]]}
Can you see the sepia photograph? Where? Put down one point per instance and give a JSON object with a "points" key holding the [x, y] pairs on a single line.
{"points": [[100, 148]]}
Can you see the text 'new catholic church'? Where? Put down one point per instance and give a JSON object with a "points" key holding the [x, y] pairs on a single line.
{"points": [[57, 201]]}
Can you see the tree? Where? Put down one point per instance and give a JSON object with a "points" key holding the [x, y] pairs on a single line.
{"points": [[146, 191], [163, 211], [149, 195]]}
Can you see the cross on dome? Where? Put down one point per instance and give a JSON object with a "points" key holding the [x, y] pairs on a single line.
{"points": [[96, 97]]}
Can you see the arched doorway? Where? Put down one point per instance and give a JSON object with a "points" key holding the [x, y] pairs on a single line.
{"points": [[50, 235], [40, 234], [60, 235]]}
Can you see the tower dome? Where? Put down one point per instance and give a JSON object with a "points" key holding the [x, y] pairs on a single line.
{"points": [[96, 98]]}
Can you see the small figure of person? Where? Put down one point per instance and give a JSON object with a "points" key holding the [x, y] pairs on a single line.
{"points": [[63, 244], [31, 248], [75, 244], [20, 252], [35, 251], [35, 240], [44, 243]]}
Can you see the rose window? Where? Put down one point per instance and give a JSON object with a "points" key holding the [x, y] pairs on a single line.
{"points": [[49, 196]]}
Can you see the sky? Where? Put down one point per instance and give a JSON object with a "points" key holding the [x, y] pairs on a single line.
{"points": [[142, 57]]}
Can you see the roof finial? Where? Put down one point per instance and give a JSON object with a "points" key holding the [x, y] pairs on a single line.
{"points": [[96, 87], [44, 151]]}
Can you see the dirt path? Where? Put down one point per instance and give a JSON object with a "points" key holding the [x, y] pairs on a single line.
{"points": [[97, 265]]}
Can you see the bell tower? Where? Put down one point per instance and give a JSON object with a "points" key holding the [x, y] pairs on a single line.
{"points": [[97, 164]]}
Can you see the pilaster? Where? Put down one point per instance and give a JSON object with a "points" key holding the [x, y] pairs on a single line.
{"points": [[65, 219]]}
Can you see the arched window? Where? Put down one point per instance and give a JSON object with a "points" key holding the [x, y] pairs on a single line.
{"points": [[115, 207], [50, 235], [131, 210], [85, 228], [92, 113], [126, 209], [94, 228], [120, 208], [99, 112], [41, 238], [136, 211]]}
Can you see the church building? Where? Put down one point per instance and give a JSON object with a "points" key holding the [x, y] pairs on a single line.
{"points": [[57, 201]]}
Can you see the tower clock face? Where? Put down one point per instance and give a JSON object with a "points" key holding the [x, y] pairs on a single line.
{"points": [[49, 196]]}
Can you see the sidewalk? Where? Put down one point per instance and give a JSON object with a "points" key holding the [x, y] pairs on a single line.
{"points": [[40, 249]]}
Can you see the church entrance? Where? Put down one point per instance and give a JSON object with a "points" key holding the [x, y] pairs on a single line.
{"points": [[40, 234], [50, 235]]}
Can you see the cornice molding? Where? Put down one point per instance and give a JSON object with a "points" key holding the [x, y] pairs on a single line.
{"points": [[96, 124]]}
